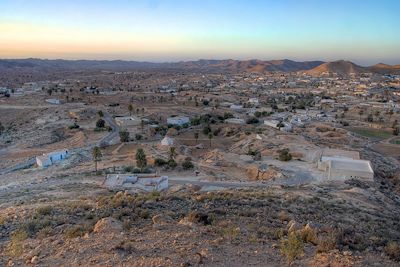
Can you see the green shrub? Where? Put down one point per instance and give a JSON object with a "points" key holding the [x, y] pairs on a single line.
{"points": [[206, 129], [284, 155], [160, 162], [187, 164], [252, 120], [172, 163], [74, 126], [124, 136]]}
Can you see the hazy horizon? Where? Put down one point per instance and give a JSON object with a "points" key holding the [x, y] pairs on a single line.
{"points": [[364, 32], [198, 59]]}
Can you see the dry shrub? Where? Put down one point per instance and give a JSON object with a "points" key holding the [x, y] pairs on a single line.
{"points": [[199, 217], [292, 247], [283, 216], [392, 249], [329, 242], [16, 247], [75, 231], [125, 246], [44, 210], [308, 235]]}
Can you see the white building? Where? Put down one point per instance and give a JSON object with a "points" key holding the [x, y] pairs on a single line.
{"points": [[287, 127], [235, 121], [236, 107], [128, 121], [49, 159], [141, 182], [167, 141], [178, 120], [253, 101], [341, 165], [53, 101]]}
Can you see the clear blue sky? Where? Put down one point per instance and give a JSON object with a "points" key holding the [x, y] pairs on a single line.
{"points": [[364, 31]]}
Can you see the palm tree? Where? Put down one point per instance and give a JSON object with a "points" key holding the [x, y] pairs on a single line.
{"points": [[361, 112], [142, 124], [210, 136], [390, 112], [100, 113], [130, 108], [196, 136], [172, 153], [97, 155], [141, 160]]}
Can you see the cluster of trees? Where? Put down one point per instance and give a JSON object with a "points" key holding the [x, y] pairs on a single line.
{"points": [[141, 159]]}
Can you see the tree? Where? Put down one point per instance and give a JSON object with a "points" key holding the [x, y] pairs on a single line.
{"points": [[49, 92], [124, 136], [196, 136], [394, 125], [360, 112], [100, 123], [100, 113], [130, 108], [210, 136], [97, 155], [187, 164], [396, 131], [1, 128], [370, 118], [141, 160], [206, 129], [280, 125], [172, 153], [390, 113], [142, 124], [284, 155]]}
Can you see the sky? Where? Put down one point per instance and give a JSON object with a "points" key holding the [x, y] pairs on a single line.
{"points": [[363, 31]]}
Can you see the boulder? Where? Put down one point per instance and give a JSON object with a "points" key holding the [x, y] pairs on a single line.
{"points": [[161, 220], [107, 225]]}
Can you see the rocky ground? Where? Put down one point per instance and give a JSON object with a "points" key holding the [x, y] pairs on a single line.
{"points": [[332, 225]]}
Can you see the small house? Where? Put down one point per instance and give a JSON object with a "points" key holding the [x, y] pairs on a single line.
{"points": [[178, 120], [49, 159]]}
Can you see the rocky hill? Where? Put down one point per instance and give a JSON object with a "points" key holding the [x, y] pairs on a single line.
{"points": [[346, 68]]}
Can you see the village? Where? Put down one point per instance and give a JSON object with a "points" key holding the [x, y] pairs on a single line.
{"points": [[159, 132]]}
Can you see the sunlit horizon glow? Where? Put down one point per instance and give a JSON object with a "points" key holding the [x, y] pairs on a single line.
{"points": [[366, 32]]}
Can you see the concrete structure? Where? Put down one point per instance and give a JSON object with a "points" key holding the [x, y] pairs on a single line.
{"points": [[178, 120], [341, 165], [287, 127], [128, 121], [49, 159], [167, 141], [53, 101], [235, 121], [140, 182]]}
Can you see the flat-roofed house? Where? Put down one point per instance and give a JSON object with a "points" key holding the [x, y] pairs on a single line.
{"points": [[49, 159], [341, 165], [178, 120]]}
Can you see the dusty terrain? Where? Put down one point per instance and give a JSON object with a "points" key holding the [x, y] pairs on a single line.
{"points": [[237, 203]]}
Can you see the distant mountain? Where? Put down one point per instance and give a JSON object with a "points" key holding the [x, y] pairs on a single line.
{"points": [[314, 68], [210, 65], [253, 65], [346, 68], [340, 67], [385, 69]]}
